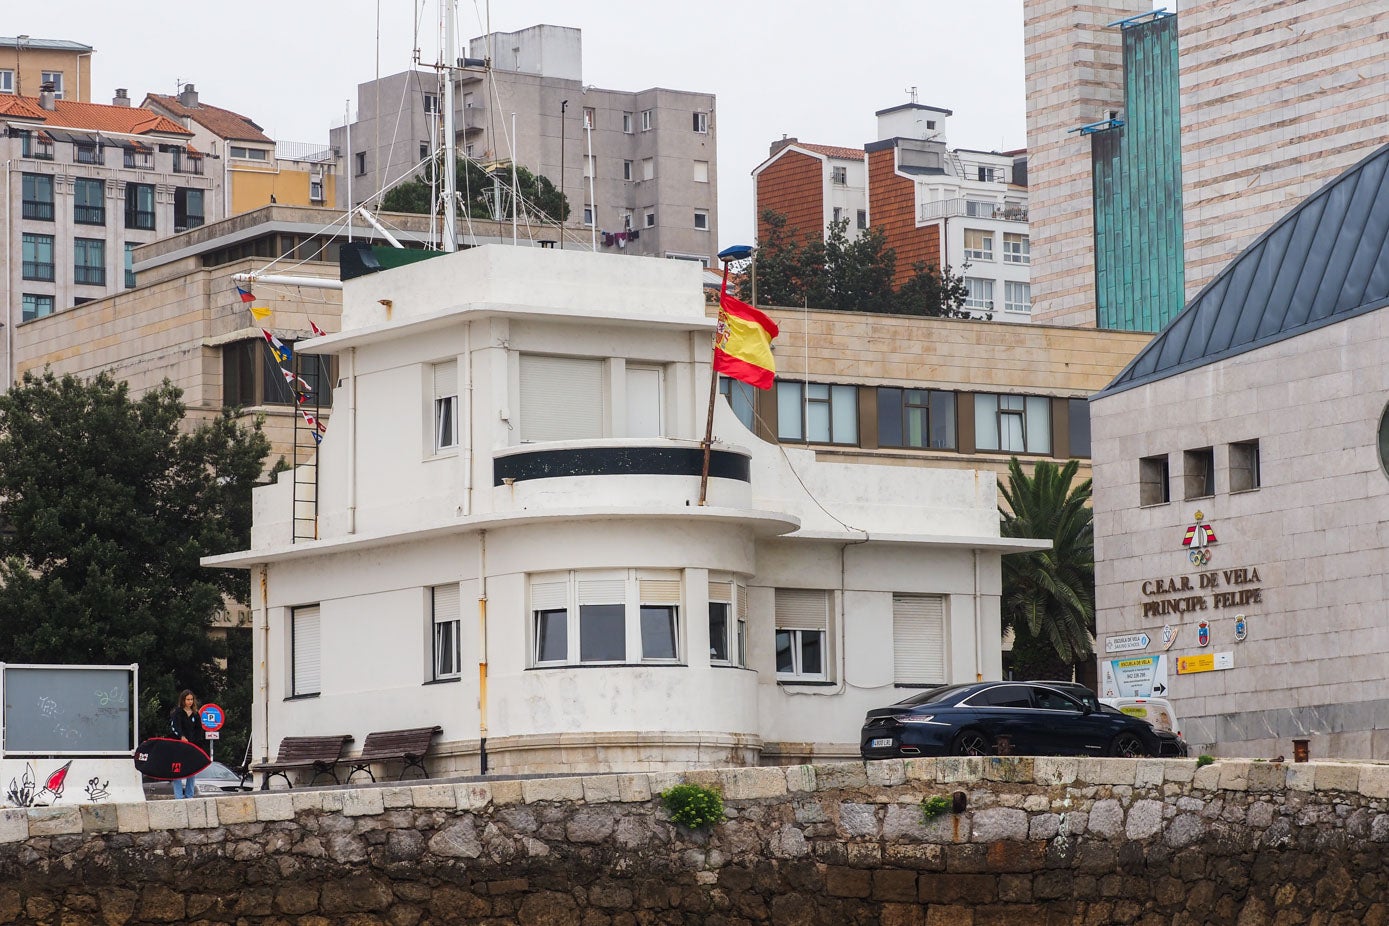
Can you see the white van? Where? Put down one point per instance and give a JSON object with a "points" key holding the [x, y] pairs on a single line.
{"points": [[1157, 711]]}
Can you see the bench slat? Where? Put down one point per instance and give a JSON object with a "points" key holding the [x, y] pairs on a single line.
{"points": [[409, 746], [320, 753]]}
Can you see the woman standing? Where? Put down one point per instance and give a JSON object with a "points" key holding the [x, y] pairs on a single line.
{"points": [[187, 725]]}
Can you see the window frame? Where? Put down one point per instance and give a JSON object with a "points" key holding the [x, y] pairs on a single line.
{"points": [[7, 80], [32, 267], [628, 171], [444, 417], [34, 206], [920, 604], [651, 600], [1154, 480], [839, 174], [647, 120], [806, 401], [452, 618], [137, 194], [89, 272], [83, 211], [797, 636], [697, 169], [730, 595], [1198, 473], [928, 404], [26, 315], [650, 218], [698, 215], [983, 238], [1246, 471], [627, 123], [294, 647], [1009, 305], [1013, 409], [183, 201], [700, 123], [983, 300], [1017, 248], [56, 79]]}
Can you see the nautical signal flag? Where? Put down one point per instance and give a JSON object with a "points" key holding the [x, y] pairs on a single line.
{"points": [[294, 380], [260, 312], [313, 422], [317, 330], [277, 347], [245, 294], [743, 343]]}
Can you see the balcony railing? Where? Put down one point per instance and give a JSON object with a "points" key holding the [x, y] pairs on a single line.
{"points": [[90, 276], [38, 149], [972, 208], [188, 163], [88, 154], [139, 218], [139, 160], [89, 215], [38, 210], [38, 270]]}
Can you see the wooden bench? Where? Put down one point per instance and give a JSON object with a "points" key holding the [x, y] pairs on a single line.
{"points": [[408, 746], [320, 753]]}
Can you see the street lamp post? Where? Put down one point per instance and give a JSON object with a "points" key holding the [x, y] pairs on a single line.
{"points": [[563, 105]]}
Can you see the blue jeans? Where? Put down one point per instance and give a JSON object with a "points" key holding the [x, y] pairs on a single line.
{"points": [[183, 787]]}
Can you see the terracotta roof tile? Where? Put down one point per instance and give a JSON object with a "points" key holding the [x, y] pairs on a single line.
{"points": [[220, 122], [833, 151], [94, 117]]}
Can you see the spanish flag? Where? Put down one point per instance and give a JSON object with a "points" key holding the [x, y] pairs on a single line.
{"points": [[743, 343]]}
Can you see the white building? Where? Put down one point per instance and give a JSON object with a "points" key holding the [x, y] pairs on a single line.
{"points": [[511, 544]]}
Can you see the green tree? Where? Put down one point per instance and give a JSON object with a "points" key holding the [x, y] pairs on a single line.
{"points": [[482, 195], [780, 264], [108, 503], [1049, 595], [934, 292]]}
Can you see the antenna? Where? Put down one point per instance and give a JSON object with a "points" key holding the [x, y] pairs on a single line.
{"points": [[912, 91]]}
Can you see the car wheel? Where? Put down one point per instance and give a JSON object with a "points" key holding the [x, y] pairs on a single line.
{"points": [[1128, 746], [972, 743]]}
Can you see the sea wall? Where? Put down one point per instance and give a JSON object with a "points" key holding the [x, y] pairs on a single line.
{"points": [[1093, 841]]}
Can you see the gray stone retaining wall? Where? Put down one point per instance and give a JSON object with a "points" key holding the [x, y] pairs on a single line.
{"points": [[1086, 841]]}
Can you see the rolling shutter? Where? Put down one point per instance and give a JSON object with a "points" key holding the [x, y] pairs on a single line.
{"points": [[802, 609], [445, 379], [918, 639], [654, 590], [721, 591], [549, 596], [561, 398], [602, 591], [306, 656], [445, 603]]}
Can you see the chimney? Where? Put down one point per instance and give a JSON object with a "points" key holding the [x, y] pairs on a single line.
{"points": [[189, 97], [47, 97], [781, 143], [122, 98]]}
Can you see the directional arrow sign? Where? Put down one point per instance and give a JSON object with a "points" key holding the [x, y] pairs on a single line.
{"points": [[1126, 642]]}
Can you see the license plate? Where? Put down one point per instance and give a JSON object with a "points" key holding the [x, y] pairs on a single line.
{"points": [[880, 743]]}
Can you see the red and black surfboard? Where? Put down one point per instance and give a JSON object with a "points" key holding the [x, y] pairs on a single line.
{"points": [[170, 759]]}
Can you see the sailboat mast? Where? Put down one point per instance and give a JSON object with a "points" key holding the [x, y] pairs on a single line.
{"points": [[450, 169]]}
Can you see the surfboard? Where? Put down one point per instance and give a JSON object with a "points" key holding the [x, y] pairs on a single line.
{"points": [[170, 759]]}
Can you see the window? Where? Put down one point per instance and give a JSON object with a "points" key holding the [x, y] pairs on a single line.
{"points": [[838, 214], [979, 293], [646, 120], [727, 637], [645, 394], [916, 418], [650, 218], [1017, 297], [741, 398], [1199, 473], [88, 201], [802, 625], [1017, 249], [56, 79], [980, 209], [979, 245], [431, 103], [38, 257], [260, 154], [188, 208], [701, 122], [1012, 423], [701, 172], [627, 170], [1244, 466], [1079, 427], [251, 376], [316, 189], [817, 412], [590, 166], [601, 617], [89, 265], [361, 162], [588, 215], [862, 218], [130, 264], [626, 221], [701, 220], [561, 398], [446, 626], [139, 205], [6, 80], [1153, 481], [839, 175], [445, 405], [648, 168], [467, 101], [139, 158], [88, 154], [38, 197], [39, 147], [627, 123], [304, 651], [424, 152], [989, 174], [36, 306], [918, 639], [590, 118]]}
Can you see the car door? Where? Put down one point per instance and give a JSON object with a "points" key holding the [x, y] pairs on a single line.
{"points": [[1064, 727], [1006, 711]]}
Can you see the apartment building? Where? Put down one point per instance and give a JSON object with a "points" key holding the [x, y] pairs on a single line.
{"points": [[29, 64], [639, 168], [87, 184], [1161, 144], [949, 207], [258, 171]]}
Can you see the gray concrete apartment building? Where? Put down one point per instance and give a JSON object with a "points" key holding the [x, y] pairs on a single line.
{"points": [[654, 154]]}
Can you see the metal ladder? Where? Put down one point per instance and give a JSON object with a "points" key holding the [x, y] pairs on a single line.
{"points": [[305, 496]]}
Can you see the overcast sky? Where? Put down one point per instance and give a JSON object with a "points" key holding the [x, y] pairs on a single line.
{"points": [[813, 69]]}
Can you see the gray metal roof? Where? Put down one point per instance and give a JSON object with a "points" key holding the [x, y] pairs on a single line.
{"points": [[1324, 262], [48, 44]]}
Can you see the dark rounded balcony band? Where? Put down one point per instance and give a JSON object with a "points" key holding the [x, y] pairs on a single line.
{"points": [[619, 461]]}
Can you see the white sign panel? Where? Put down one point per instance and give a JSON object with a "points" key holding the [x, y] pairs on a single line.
{"points": [[1124, 642], [1134, 677], [63, 782]]}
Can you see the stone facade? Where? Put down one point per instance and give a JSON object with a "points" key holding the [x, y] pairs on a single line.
{"points": [[1060, 841]]}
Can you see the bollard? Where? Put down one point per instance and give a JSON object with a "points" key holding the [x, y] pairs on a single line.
{"points": [[1300, 750]]}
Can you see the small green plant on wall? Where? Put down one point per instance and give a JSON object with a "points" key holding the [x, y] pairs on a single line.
{"points": [[1204, 760], [692, 806], [932, 807]]}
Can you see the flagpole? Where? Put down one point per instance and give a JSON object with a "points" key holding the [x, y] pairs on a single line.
{"points": [[727, 255]]}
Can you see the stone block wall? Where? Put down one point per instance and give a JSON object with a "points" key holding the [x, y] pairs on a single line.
{"points": [[1041, 840]]}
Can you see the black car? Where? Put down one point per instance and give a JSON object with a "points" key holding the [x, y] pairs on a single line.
{"points": [[1006, 718]]}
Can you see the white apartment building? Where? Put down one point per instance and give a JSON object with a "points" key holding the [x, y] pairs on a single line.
{"points": [[510, 540]]}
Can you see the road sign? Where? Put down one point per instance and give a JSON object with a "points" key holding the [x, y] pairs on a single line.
{"points": [[213, 735], [212, 716], [1133, 676], [1124, 642], [1205, 662]]}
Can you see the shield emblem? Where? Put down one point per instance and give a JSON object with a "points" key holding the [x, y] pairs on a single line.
{"points": [[1203, 634]]}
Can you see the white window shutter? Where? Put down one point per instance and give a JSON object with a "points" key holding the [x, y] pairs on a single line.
{"points": [[802, 609], [561, 398], [445, 379], [659, 591], [602, 591], [918, 639], [445, 603], [721, 591], [549, 596], [307, 653]]}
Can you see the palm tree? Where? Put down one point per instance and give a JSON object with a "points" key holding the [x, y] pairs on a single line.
{"points": [[1049, 595]]}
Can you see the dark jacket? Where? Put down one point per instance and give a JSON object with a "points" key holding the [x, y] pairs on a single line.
{"points": [[189, 728]]}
